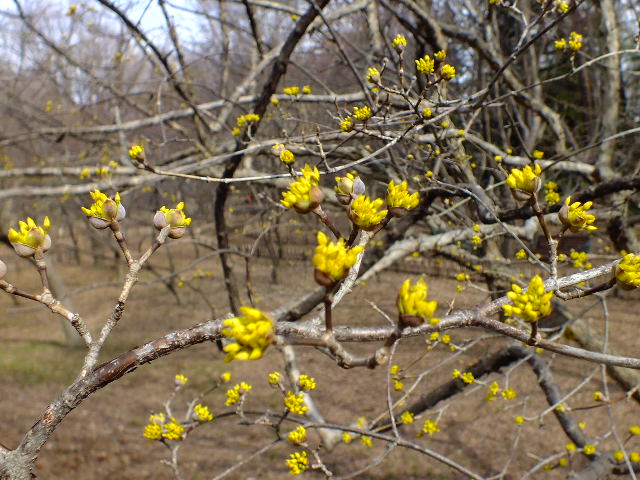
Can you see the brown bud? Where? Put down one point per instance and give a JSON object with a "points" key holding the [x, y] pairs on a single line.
{"points": [[411, 321], [323, 279]]}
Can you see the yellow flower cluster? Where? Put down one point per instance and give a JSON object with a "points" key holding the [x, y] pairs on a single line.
{"points": [[175, 218], [580, 259], [524, 183], [303, 194], [551, 194], [104, 208], [243, 120], [373, 75], [158, 429], [295, 403], [252, 333], [292, 91], [234, 394], [412, 301], [521, 254], [447, 72], [573, 45], [180, 380], [274, 378], [430, 427], [425, 65], [31, 236], [306, 382], [136, 152], [366, 213], [398, 196], [287, 157], [407, 417], [298, 462], [575, 217], [346, 124], [628, 271], [399, 43], [362, 113], [298, 435], [202, 414], [334, 259], [440, 55], [530, 306]]}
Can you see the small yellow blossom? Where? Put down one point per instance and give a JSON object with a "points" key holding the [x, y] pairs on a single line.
{"points": [[589, 449], [30, 237], [274, 378], [373, 75], [304, 194], [104, 209], [201, 413], [463, 277], [153, 431], [575, 217], [580, 259], [234, 394], [530, 306], [306, 89], [456, 373], [575, 41], [509, 394], [412, 300], [397, 385], [366, 441], [333, 260], [434, 336], [524, 183], [253, 333], [538, 154], [476, 239], [467, 377], [298, 435], [430, 427], [306, 383], [298, 462], [628, 271], [292, 91], [136, 152], [447, 72], [406, 417], [274, 101], [363, 114], [521, 254], [398, 197], [446, 339], [346, 124], [394, 370], [225, 377], [562, 6], [551, 195], [346, 437], [440, 55], [287, 157], [425, 65], [173, 430], [244, 120], [236, 131], [426, 113], [180, 380], [399, 43], [175, 218], [366, 213], [519, 419], [618, 456], [634, 430], [634, 457], [295, 403]]}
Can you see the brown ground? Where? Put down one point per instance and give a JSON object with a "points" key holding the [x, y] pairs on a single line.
{"points": [[102, 438]]}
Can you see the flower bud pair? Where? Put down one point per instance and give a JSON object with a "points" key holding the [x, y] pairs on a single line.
{"points": [[174, 218], [31, 237]]}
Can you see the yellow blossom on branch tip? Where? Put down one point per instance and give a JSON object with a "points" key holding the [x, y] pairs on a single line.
{"points": [[234, 394], [295, 403], [292, 91], [298, 435], [173, 430], [589, 449], [366, 213], [399, 43], [306, 383], [575, 217], [524, 183], [136, 152], [425, 65], [304, 194], [175, 218], [346, 124], [575, 41], [244, 120], [412, 302], [287, 157], [363, 114], [298, 462], [373, 75], [306, 89], [430, 427], [530, 306], [253, 333], [627, 272], [334, 259], [153, 431], [398, 196], [447, 72], [30, 237], [274, 378], [180, 380], [104, 210], [201, 413], [406, 417]]}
